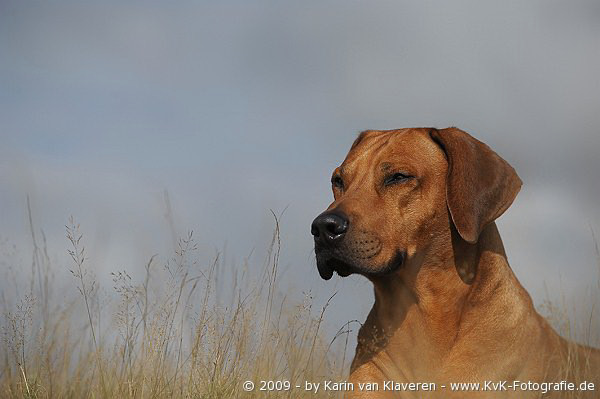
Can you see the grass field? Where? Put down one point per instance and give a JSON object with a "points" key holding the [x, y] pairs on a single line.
{"points": [[163, 336], [166, 336]]}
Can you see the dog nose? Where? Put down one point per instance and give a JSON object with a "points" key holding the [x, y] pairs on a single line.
{"points": [[329, 227]]}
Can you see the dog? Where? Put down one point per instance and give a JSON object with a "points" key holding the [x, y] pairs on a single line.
{"points": [[414, 213]]}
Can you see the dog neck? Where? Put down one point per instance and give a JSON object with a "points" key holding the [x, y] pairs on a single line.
{"points": [[420, 311]]}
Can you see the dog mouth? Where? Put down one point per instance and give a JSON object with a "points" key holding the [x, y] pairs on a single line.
{"points": [[327, 263], [326, 268]]}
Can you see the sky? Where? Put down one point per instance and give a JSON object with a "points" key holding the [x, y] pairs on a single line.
{"points": [[239, 108]]}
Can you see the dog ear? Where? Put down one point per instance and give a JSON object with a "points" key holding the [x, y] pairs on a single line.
{"points": [[480, 185]]}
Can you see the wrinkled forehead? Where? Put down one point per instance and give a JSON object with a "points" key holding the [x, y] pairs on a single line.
{"points": [[373, 147]]}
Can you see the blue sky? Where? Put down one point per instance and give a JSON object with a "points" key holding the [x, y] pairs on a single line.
{"points": [[236, 108]]}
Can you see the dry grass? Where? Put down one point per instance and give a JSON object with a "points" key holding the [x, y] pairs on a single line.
{"points": [[163, 336], [577, 322]]}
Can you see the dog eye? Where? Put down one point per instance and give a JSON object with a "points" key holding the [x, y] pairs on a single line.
{"points": [[396, 178], [337, 182]]}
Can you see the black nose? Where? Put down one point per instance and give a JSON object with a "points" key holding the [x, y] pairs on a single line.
{"points": [[329, 227]]}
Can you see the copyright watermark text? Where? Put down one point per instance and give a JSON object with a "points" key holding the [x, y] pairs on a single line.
{"points": [[341, 386]]}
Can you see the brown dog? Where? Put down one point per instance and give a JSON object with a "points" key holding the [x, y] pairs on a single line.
{"points": [[414, 212]]}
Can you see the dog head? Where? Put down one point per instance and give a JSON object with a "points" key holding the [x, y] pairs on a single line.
{"points": [[397, 191]]}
